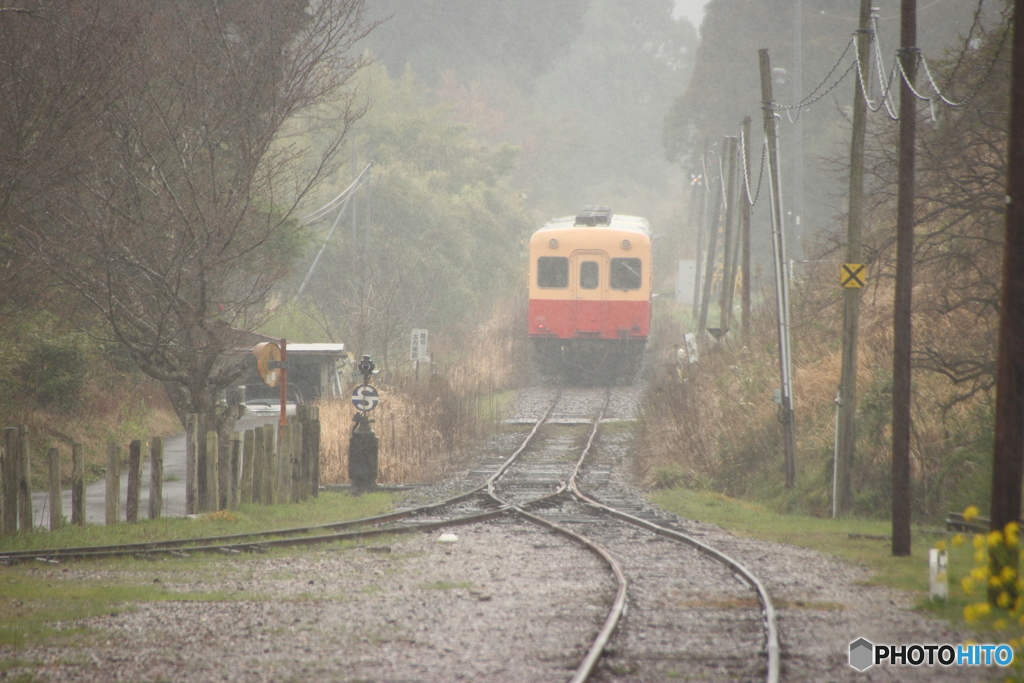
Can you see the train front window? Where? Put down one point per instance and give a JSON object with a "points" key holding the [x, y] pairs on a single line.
{"points": [[589, 271], [626, 273], [553, 272]]}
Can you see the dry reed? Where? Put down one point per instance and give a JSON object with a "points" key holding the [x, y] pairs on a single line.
{"points": [[425, 426]]}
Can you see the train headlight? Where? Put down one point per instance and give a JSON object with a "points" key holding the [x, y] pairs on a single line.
{"points": [[626, 245], [553, 243]]}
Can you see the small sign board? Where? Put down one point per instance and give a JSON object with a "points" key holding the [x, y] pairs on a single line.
{"points": [[365, 398], [418, 348], [853, 275]]}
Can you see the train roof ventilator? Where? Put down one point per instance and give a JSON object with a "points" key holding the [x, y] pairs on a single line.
{"points": [[593, 216]]}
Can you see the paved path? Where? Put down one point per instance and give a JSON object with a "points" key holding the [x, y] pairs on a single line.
{"points": [[174, 484]]}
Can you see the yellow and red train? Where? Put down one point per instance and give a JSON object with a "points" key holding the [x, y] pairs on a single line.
{"points": [[589, 312]]}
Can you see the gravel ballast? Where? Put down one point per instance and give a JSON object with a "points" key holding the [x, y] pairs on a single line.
{"points": [[505, 602]]}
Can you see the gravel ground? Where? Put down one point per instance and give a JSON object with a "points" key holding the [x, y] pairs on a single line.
{"points": [[413, 608]]}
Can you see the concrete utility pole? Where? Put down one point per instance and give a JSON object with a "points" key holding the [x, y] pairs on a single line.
{"points": [[729, 239], [846, 429], [709, 268], [798, 127], [781, 271], [745, 232], [901, 328], [1008, 455], [703, 188]]}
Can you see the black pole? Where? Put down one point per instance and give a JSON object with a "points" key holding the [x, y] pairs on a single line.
{"points": [[1008, 454], [904, 285]]}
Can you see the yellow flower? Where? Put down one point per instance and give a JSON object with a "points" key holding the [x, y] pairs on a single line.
{"points": [[1019, 585], [979, 541], [980, 556], [979, 573], [958, 540], [967, 584], [970, 513], [995, 538], [1012, 533], [1003, 600], [970, 614], [940, 545], [1008, 574], [999, 624], [983, 608], [994, 581]]}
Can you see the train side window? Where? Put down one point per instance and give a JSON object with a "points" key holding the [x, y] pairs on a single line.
{"points": [[553, 272], [589, 278], [626, 273]]}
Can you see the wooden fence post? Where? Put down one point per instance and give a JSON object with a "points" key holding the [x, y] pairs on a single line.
{"points": [[223, 472], [77, 485], [56, 504], [24, 482], [113, 489], [248, 453], [234, 467], [131, 508], [298, 482], [156, 477], [259, 466], [191, 466], [311, 452], [284, 465], [212, 497], [10, 482], [269, 465]]}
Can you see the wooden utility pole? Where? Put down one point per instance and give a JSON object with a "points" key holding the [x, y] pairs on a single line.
{"points": [[745, 231], [901, 328], [846, 429], [1008, 455], [785, 412]]}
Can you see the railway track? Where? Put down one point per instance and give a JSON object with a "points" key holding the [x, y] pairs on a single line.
{"points": [[678, 588]]}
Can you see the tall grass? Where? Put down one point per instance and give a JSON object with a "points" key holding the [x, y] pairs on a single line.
{"points": [[424, 425], [718, 429]]}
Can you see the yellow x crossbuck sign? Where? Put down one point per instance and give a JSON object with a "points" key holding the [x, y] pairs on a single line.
{"points": [[853, 275]]}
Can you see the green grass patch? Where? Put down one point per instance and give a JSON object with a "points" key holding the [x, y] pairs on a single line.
{"points": [[862, 542], [328, 507]]}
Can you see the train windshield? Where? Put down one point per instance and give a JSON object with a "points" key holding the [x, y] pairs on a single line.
{"points": [[553, 272], [589, 275], [626, 273]]}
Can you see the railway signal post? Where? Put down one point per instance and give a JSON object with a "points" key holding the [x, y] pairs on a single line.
{"points": [[363, 444]]}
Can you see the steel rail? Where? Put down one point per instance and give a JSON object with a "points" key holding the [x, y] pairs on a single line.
{"points": [[748, 577], [618, 607], [248, 540]]}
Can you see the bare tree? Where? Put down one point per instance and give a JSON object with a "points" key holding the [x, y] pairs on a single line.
{"points": [[182, 221], [58, 70]]}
